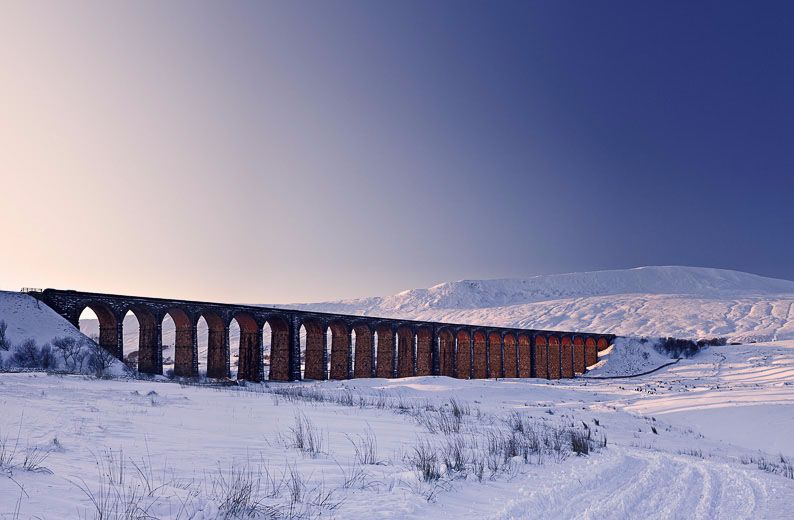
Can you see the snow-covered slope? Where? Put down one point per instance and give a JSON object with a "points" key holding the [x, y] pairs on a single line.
{"points": [[653, 301], [26, 318]]}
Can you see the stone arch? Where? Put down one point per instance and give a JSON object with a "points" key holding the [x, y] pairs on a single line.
{"points": [[279, 348], [590, 352], [150, 352], [554, 357], [566, 357], [524, 355], [578, 355], [424, 351], [250, 365], [385, 362], [602, 344], [185, 343], [405, 351], [510, 355], [495, 354], [541, 352], [340, 350], [218, 352], [446, 353], [480, 360], [463, 353], [365, 351], [316, 356], [110, 329]]}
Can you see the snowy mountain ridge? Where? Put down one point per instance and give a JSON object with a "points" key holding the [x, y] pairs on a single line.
{"points": [[686, 302]]}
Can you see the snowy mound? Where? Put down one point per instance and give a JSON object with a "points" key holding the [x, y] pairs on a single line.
{"points": [[627, 357]]}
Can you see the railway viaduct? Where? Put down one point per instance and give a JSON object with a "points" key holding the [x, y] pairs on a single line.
{"points": [[384, 347]]}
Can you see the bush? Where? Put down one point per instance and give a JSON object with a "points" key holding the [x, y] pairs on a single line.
{"points": [[28, 354]]}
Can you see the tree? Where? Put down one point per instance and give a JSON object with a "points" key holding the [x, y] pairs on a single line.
{"points": [[71, 350], [100, 359], [4, 345], [28, 354]]}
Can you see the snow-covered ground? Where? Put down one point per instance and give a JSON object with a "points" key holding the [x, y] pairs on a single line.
{"points": [[707, 437], [684, 442]]}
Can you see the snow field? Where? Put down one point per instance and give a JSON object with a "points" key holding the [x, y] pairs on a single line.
{"points": [[659, 461]]}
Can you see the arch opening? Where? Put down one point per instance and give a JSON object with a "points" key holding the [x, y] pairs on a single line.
{"points": [[590, 352], [340, 351], [385, 360], [424, 351], [510, 356], [541, 357], [147, 350], [524, 356], [316, 356], [566, 357], [214, 345], [554, 357], [578, 355], [100, 324], [463, 353], [249, 353], [495, 355], [480, 360], [277, 331], [179, 334], [406, 349], [363, 351], [446, 353]]}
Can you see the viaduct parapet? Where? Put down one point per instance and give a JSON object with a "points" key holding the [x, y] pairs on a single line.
{"points": [[384, 347]]}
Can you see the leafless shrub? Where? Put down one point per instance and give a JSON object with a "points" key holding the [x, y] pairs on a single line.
{"points": [[424, 460], [8, 452], [346, 398], [439, 421], [581, 443], [692, 452], [365, 447], [783, 467], [237, 492], [453, 454], [457, 409], [33, 460], [306, 436]]}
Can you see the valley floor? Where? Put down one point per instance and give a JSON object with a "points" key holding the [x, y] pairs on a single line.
{"points": [[705, 438]]}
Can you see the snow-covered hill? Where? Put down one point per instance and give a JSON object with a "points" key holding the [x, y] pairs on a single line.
{"points": [[654, 301]]}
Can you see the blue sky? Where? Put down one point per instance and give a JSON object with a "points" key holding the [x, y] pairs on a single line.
{"points": [[299, 151]]}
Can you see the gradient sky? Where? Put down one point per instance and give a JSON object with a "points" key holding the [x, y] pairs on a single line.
{"points": [[303, 151]]}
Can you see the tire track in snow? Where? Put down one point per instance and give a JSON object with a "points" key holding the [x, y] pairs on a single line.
{"points": [[642, 484]]}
